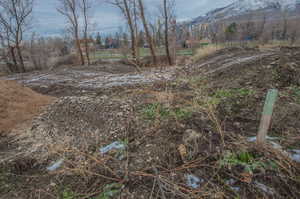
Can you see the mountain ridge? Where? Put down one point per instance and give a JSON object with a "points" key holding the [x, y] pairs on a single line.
{"points": [[242, 7]]}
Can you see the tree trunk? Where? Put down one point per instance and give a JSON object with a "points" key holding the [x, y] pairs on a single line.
{"points": [[14, 59], [132, 31], [166, 15], [148, 35], [19, 52], [79, 47], [87, 50]]}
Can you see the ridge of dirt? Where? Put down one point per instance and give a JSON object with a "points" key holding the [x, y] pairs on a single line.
{"points": [[18, 104]]}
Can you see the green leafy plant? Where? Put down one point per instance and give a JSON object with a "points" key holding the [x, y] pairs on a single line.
{"points": [[235, 96], [110, 190], [233, 93], [158, 111], [68, 194], [155, 111], [295, 93], [245, 159], [4, 181], [181, 114]]}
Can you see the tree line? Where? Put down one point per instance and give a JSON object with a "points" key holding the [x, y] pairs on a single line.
{"points": [[142, 31]]}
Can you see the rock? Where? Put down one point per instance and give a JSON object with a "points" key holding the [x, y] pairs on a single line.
{"points": [[120, 114]]}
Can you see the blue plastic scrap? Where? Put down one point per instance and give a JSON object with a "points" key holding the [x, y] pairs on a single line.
{"points": [[114, 145], [193, 181], [56, 165]]}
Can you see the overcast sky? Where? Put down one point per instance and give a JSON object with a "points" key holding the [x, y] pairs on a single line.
{"points": [[107, 18]]}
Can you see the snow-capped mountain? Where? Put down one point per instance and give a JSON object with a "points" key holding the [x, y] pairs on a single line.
{"points": [[241, 7]]}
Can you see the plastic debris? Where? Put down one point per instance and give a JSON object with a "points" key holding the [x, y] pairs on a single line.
{"points": [[230, 181], [276, 146], [111, 190], [114, 145], [253, 139], [56, 165], [193, 181], [296, 151], [236, 189], [264, 188], [296, 157]]}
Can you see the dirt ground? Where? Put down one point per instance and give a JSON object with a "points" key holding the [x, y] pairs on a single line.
{"points": [[19, 104], [184, 134], [83, 80]]}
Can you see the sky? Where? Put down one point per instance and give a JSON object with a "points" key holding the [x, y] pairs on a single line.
{"points": [[107, 19]]}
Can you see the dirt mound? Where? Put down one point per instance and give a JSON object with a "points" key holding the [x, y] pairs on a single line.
{"points": [[76, 123], [18, 104]]}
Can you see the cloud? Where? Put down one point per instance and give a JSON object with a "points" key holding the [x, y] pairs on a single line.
{"points": [[108, 19]]}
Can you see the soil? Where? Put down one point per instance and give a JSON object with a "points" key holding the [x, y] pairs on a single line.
{"points": [[83, 80], [19, 104], [184, 122]]}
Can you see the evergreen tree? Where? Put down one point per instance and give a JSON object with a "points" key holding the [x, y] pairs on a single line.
{"points": [[98, 39]]}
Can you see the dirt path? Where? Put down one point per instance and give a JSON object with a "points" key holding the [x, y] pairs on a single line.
{"points": [[81, 80]]}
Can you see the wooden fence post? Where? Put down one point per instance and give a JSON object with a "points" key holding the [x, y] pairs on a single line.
{"points": [[267, 116]]}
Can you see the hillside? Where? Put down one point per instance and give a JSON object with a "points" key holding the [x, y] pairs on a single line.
{"points": [[241, 8]]}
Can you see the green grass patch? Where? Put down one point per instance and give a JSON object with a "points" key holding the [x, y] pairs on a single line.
{"points": [[157, 111], [5, 184], [233, 93], [68, 194], [236, 95], [143, 52], [110, 191], [295, 93], [246, 159]]}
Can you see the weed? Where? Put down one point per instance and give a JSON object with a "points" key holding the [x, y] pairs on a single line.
{"points": [[181, 114], [247, 160], [231, 97], [295, 93], [233, 93], [157, 111], [4, 186], [110, 191], [68, 194], [205, 101]]}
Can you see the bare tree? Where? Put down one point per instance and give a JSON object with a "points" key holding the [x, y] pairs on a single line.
{"points": [[148, 34], [127, 8], [86, 7], [39, 51], [70, 9], [284, 14], [168, 6], [15, 21]]}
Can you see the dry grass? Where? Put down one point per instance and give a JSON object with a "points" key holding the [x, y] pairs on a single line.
{"points": [[274, 44], [206, 51]]}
